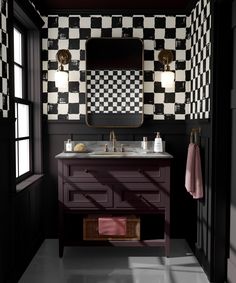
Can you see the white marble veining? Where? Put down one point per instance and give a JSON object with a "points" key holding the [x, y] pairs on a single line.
{"points": [[114, 265], [132, 149]]}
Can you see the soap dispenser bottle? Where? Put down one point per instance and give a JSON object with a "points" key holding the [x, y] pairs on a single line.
{"points": [[158, 147], [69, 145]]}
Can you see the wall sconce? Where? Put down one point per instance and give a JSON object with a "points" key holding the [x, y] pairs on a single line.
{"points": [[61, 77], [167, 77]]}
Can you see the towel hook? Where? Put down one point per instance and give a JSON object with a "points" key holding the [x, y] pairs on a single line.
{"points": [[194, 136]]}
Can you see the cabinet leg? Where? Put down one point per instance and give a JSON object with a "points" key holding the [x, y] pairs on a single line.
{"points": [[167, 249], [167, 232], [61, 249]]}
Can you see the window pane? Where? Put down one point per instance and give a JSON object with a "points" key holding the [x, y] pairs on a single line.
{"points": [[16, 120], [17, 47], [23, 120], [17, 169], [18, 81], [24, 161]]}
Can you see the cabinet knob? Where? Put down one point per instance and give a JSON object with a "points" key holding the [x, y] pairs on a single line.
{"points": [[86, 170]]}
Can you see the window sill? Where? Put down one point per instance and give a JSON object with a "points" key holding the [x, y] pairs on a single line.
{"points": [[27, 182]]}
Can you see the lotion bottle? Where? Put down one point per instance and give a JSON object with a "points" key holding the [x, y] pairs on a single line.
{"points": [[158, 147], [68, 145]]}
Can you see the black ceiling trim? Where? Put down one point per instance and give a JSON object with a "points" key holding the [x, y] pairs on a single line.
{"points": [[116, 12], [190, 6]]}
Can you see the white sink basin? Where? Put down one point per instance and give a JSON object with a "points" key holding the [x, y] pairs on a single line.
{"points": [[110, 153]]}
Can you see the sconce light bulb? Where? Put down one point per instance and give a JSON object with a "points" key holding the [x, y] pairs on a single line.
{"points": [[61, 79], [167, 79]]}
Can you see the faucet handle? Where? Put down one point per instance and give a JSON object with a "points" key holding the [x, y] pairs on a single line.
{"points": [[106, 148], [112, 135], [122, 148]]}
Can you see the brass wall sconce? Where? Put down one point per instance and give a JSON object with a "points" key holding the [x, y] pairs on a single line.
{"points": [[63, 56], [167, 76]]}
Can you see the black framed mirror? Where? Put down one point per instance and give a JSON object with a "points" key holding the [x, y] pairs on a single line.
{"points": [[114, 82]]}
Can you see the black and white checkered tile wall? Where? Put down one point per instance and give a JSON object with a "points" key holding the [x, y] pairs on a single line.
{"points": [[181, 34], [4, 98], [199, 37], [157, 32]]}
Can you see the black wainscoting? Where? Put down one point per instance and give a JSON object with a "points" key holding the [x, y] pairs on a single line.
{"points": [[232, 245], [28, 228], [203, 217], [21, 214], [6, 204], [183, 207]]}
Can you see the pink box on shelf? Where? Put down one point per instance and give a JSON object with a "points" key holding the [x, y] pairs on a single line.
{"points": [[112, 226]]}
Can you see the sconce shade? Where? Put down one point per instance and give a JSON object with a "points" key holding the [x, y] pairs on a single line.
{"points": [[167, 79], [61, 79]]}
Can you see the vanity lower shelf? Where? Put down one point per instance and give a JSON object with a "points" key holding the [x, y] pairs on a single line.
{"points": [[73, 233]]}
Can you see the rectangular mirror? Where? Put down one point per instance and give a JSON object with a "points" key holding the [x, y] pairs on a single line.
{"points": [[114, 81]]}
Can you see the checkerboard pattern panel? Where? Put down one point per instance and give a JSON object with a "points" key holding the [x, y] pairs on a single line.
{"points": [[200, 60], [115, 91], [157, 32], [181, 34], [4, 98]]}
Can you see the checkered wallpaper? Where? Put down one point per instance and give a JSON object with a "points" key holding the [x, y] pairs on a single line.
{"points": [[4, 98], [185, 36], [199, 44], [157, 32]]}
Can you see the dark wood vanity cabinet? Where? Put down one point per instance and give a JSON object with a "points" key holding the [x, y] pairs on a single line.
{"points": [[124, 186]]}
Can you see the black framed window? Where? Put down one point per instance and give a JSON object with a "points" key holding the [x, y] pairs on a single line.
{"points": [[23, 107]]}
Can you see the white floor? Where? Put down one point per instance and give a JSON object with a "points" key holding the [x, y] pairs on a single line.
{"points": [[114, 265]]}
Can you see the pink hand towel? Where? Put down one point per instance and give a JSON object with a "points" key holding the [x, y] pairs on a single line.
{"points": [[112, 226], [189, 175], [198, 192], [193, 175]]}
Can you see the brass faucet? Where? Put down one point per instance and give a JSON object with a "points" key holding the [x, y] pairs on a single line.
{"points": [[113, 140]]}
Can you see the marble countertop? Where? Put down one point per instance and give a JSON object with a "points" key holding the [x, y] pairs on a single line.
{"points": [[132, 149]]}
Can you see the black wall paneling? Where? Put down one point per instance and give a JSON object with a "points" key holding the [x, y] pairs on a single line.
{"points": [[231, 276], [212, 210], [6, 202], [29, 232], [221, 127], [203, 216]]}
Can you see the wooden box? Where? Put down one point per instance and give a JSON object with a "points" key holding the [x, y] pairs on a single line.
{"points": [[90, 230]]}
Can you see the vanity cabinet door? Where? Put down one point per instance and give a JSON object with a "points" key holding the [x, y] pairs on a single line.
{"points": [[87, 196], [142, 196], [83, 172], [141, 174]]}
